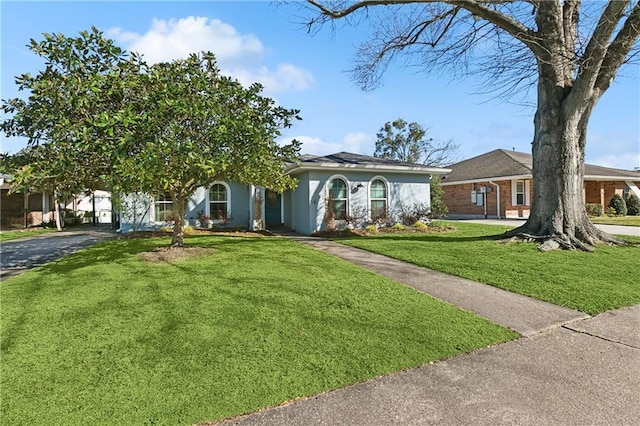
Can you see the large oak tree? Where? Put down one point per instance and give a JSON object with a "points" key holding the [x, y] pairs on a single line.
{"points": [[571, 50]]}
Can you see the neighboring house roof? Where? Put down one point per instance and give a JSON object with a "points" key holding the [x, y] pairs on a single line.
{"points": [[501, 164], [359, 162]]}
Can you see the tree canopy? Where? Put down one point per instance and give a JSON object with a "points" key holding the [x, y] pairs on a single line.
{"points": [[98, 112], [408, 142]]}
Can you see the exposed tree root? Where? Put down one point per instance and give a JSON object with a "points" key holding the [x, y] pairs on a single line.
{"points": [[584, 238]]}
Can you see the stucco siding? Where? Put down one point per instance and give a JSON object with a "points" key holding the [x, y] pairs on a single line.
{"points": [[402, 190]]}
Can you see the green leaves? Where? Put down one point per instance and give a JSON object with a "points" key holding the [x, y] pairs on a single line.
{"points": [[99, 114]]}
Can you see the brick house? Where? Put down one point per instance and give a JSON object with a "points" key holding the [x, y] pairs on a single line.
{"points": [[19, 210], [500, 184]]}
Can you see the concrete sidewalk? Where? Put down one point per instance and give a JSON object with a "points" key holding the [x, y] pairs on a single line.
{"points": [[523, 314], [561, 377], [571, 369]]}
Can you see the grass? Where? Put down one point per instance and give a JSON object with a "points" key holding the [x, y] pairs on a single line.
{"points": [[102, 337], [617, 220], [23, 233], [589, 282]]}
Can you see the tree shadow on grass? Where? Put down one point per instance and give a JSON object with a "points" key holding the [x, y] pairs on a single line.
{"points": [[116, 251]]}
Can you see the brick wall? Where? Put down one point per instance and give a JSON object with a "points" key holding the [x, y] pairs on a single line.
{"points": [[458, 200], [600, 192], [12, 210]]}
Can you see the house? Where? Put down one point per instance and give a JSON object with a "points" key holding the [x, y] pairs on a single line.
{"points": [[22, 210], [331, 189], [500, 184], [85, 204]]}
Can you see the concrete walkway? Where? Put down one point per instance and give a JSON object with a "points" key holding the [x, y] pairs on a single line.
{"points": [[570, 369], [523, 314]]}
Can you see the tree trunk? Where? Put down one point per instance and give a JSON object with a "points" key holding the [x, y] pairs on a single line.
{"points": [[558, 214], [59, 220], [179, 211]]}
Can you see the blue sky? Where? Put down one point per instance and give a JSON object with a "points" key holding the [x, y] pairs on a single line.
{"points": [[259, 41]]}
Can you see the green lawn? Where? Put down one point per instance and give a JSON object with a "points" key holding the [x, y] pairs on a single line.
{"points": [[103, 337], [23, 233], [590, 282], [617, 220]]}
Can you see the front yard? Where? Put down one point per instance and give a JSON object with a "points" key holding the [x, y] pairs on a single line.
{"points": [[589, 282], [617, 220], [105, 337]]}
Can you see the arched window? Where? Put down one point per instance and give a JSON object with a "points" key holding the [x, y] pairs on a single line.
{"points": [[338, 198], [378, 199], [219, 200]]}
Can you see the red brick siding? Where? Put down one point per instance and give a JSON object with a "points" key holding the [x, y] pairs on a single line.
{"points": [[458, 200]]}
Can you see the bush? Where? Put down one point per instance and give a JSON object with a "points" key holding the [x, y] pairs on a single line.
{"points": [[420, 225], [399, 227], [618, 204], [594, 209], [633, 205], [372, 229], [409, 215]]}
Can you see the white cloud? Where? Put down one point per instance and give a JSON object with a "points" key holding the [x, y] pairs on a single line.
{"points": [[358, 143], [238, 55], [623, 160], [285, 77]]}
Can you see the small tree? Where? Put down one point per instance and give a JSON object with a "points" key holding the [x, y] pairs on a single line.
{"points": [[98, 111], [408, 142], [439, 209], [617, 203], [633, 205]]}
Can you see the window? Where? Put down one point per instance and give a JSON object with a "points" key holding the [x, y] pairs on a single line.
{"points": [[338, 197], [219, 202], [378, 197], [163, 208], [520, 193]]}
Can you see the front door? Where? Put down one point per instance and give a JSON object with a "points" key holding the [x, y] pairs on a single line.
{"points": [[272, 208]]}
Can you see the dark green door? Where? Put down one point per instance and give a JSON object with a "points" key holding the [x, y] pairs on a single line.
{"points": [[272, 208]]}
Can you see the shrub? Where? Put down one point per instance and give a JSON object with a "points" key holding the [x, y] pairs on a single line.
{"points": [[420, 225], [633, 205], [594, 209], [399, 227], [409, 215], [372, 229], [439, 209], [618, 204]]}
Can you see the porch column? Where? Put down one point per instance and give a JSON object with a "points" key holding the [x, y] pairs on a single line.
{"points": [[602, 196], [45, 207], [26, 209]]}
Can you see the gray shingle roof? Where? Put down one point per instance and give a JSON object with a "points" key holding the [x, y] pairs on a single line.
{"points": [[501, 163], [360, 161]]}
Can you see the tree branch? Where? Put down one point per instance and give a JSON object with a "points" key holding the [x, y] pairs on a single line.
{"points": [[619, 49], [597, 47], [511, 26]]}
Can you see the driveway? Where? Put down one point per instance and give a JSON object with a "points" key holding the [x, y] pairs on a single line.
{"points": [[611, 229], [26, 253]]}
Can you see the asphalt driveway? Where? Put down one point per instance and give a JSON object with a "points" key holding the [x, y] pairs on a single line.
{"points": [[20, 255]]}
